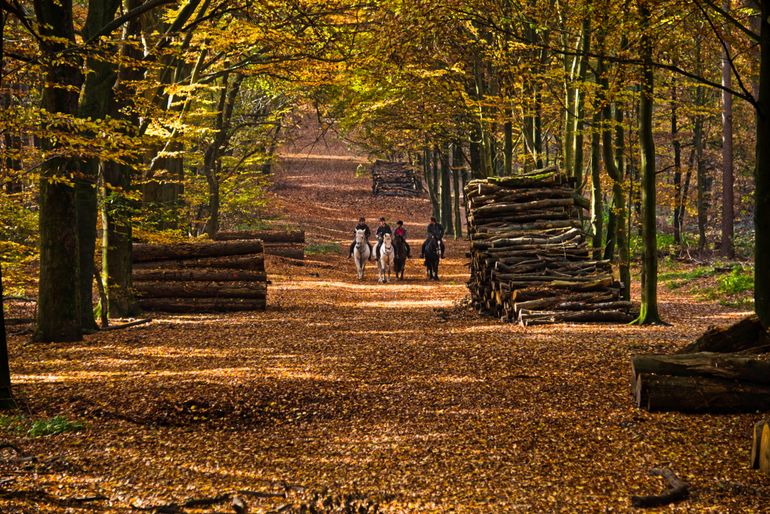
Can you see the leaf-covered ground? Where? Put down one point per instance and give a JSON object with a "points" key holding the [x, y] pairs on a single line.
{"points": [[393, 392]]}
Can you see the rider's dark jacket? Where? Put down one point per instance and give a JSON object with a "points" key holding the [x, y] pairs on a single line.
{"points": [[365, 228], [381, 231], [435, 229]]}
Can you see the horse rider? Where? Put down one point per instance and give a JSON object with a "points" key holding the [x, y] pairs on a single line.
{"points": [[436, 230], [383, 229], [401, 231], [367, 234]]}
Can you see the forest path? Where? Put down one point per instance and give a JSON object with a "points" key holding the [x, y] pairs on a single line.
{"points": [[388, 390]]}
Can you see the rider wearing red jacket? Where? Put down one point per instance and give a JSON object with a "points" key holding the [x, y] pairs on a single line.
{"points": [[401, 231]]}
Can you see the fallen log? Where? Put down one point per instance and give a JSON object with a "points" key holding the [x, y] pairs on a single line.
{"points": [[143, 252], [699, 394], [704, 364], [267, 236], [760, 447], [161, 289], [746, 334], [193, 274], [255, 262], [193, 305]]}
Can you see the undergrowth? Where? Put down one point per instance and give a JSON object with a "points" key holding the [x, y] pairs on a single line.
{"points": [[39, 427]]}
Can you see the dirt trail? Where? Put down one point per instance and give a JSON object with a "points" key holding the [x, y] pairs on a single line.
{"points": [[388, 390]]}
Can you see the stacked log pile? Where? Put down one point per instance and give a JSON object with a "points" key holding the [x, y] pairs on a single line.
{"points": [[200, 277], [282, 243], [725, 370], [529, 257], [395, 179]]}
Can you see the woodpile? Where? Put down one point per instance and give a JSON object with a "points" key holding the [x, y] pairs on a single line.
{"points": [[289, 244], [395, 179], [725, 370], [218, 276], [529, 260]]}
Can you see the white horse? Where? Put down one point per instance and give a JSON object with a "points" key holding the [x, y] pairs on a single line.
{"points": [[387, 258], [361, 252]]}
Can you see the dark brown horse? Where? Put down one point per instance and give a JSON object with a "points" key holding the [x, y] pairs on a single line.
{"points": [[399, 247]]}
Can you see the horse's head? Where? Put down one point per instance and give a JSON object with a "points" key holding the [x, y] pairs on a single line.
{"points": [[360, 235], [387, 240]]}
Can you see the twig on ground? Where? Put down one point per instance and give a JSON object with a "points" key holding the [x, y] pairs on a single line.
{"points": [[677, 491], [126, 325]]}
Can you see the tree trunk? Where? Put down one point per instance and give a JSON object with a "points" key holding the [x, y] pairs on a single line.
{"points": [[446, 192], [457, 170], [700, 170], [727, 248], [96, 102], [6, 399], [58, 313], [577, 143], [165, 252], [677, 162], [508, 144], [649, 308], [474, 148], [597, 208], [762, 178]]}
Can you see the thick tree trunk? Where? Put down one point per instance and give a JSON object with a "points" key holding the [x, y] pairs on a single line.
{"points": [[95, 103], [730, 366], [196, 289], [474, 148], [166, 252], [267, 236], [727, 248], [6, 399], [508, 144], [614, 170], [762, 178], [58, 313], [198, 305], [649, 309]]}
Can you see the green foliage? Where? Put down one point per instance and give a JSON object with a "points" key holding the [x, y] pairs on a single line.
{"points": [[322, 248], [40, 427], [738, 281]]}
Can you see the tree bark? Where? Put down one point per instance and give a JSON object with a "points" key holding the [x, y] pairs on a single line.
{"points": [[727, 248], [446, 192], [677, 145], [96, 103], [577, 142], [58, 314], [762, 177], [597, 207], [649, 309], [457, 170], [665, 393], [166, 252], [6, 399]]}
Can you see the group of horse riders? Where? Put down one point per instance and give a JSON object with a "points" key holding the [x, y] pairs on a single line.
{"points": [[434, 230]]}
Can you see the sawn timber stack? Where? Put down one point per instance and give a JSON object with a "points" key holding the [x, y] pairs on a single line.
{"points": [[289, 244], [529, 257], [395, 179], [218, 276]]}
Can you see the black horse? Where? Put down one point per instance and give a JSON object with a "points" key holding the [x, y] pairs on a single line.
{"points": [[399, 257], [432, 253]]}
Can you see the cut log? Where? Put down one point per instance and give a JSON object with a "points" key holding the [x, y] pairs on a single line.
{"points": [[165, 252], [290, 251], [160, 289], [267, 236], [193, 274], [743, 335], [195, 305], [699, 394], [760, 448], [238, 262], [705, 364]]}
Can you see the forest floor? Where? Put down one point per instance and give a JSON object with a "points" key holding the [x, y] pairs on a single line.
{"points": [[393, 392]]}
